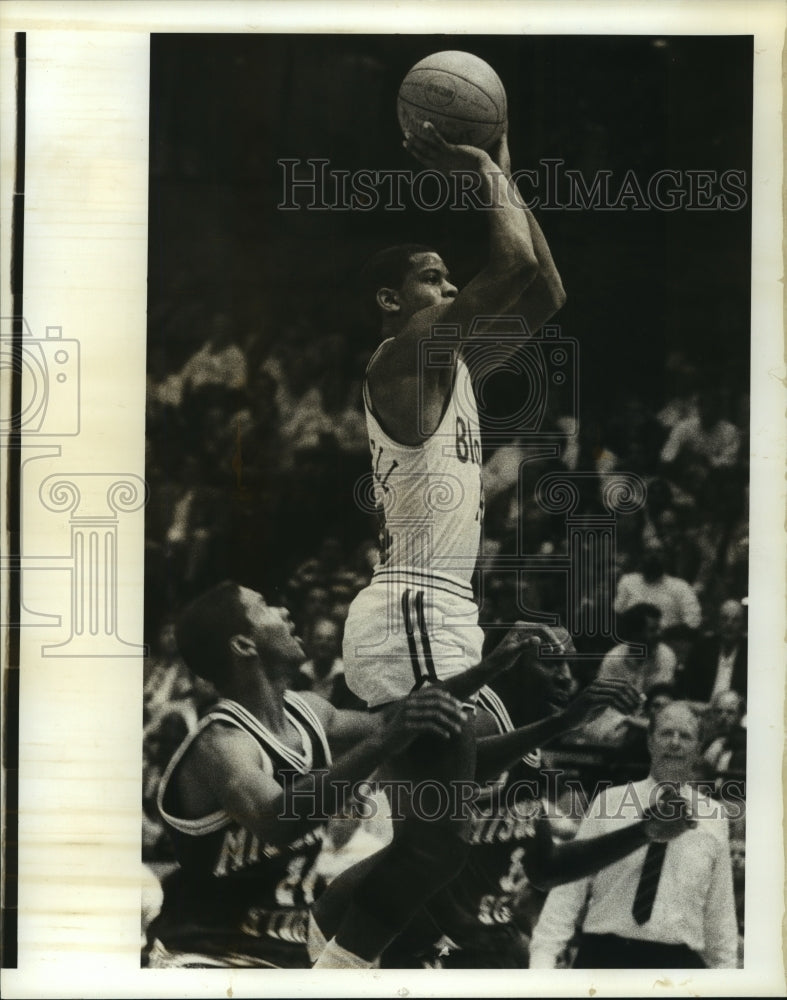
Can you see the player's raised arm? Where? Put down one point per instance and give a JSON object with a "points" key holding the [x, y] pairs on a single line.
{"points": [[542, 299], [549, 864], [520, 276], [498, 752], [231, 768], [512, 264]]}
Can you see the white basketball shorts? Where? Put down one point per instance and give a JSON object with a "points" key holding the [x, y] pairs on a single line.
{"points": [[407, 628]]}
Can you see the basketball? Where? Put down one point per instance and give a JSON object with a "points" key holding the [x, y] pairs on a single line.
{"points": [[459, 93]]}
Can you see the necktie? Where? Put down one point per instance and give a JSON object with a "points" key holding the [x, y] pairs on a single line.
{"points": [[648, 882]]}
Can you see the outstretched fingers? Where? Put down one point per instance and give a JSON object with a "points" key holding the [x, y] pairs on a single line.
{"points": [[433, 710], [615, 693]]}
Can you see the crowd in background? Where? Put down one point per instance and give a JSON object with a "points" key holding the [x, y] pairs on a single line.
{"points": [[254, 450]]}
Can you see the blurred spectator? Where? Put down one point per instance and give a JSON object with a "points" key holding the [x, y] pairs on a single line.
{"points": [[727, 750], [697, 444], [682, 403], [164, 391], [722, 537], [160, 670], [341, 599], [635, 434], [659, 696], [195, 531], [315, 602], [624, 662], [288, 367], [587, 448], [682, 554], [323, 672], [344, 415], [652, 585], [642, 623], [719, 661], [501, 474], [219, 362], [320, 570], [681, 640], [319, 405]]}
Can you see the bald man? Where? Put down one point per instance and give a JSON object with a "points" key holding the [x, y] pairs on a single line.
{"points": [[669, 907]]}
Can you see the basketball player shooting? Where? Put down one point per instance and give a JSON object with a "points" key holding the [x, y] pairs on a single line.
{"points": [[417, 621]]}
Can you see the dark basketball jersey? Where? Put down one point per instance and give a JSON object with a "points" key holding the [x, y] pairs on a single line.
{"points": [[484, 910], [233, 894]]}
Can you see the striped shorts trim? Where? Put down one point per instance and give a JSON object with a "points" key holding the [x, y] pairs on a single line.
{"points": [[400, 637]]}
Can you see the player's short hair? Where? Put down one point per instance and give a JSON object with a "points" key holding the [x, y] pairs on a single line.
{"points": [[387, 269], [205, 627]]}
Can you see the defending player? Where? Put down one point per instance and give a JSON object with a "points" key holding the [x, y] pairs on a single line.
{"points": [[418, 620], [245, 797], [482, 917], [245, 874]]}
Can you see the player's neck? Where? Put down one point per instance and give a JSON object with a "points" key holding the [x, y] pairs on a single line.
{"points": [[263, 696], [323, 667], [391, 326]]}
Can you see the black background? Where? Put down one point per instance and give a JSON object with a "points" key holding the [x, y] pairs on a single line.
{"points": [[225, 108]]}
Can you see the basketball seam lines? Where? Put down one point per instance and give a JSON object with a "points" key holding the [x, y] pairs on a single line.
{"points": [[456, 118]]}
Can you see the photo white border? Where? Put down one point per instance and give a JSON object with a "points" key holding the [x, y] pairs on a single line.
{"points": [[86, 271]]}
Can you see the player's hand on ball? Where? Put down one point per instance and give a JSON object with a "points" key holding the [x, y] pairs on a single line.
{"points": [[431, 149], [429, 711]]}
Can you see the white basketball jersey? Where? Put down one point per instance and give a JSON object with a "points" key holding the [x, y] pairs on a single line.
{"points": [[429, 497]]}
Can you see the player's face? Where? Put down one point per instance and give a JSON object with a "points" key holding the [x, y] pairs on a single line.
{"points": [[426, 284], [271, 629], [557, 682], [674, 744]]}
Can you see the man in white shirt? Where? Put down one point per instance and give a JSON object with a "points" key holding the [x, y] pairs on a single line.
{"points": [[673, 596], [690, 920], [705, 438]]}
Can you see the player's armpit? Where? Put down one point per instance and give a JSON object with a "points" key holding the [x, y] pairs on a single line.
{"points": [[408, 395]]}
